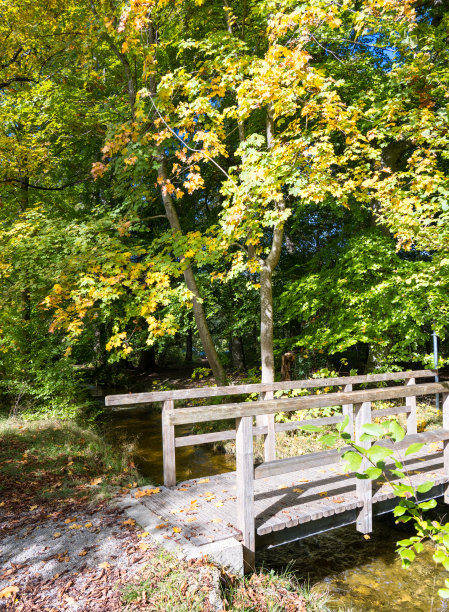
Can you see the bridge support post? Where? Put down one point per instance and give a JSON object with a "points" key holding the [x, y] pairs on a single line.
{"points": [[364, 490], [412, 425], [270, 437], [348, 410], [445, 404], [245, 489], [168, 446]]}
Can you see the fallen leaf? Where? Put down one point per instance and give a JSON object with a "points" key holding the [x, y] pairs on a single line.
{"points": [[190, 519], [32, 508], [177, 529], [282, 487], [129, 522], [105, 565], [8, 591], [144, 534], [95, 481], [145, 492], [72, 520], [161, 526], [298, 490], [218, 504], [75, 526], [57, 535], [367, 537], [144, 546], [323, 493], [217, 520], [82, 553], [2, 504], [203, 480], [88, 525], [194, 502]]}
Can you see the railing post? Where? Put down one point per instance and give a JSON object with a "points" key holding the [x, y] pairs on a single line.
{"points": [[348, 410], [168, 445], [364, 490], [445, 407], [245, 489], [412, 425], [267, 421]]}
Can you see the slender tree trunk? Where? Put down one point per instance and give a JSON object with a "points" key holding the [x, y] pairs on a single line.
{"points": [[237, 353], [189, 346], [198, 310], [266, 324]]}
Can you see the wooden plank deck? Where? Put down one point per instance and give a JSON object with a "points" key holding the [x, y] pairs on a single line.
{"points": [[205, 510]]}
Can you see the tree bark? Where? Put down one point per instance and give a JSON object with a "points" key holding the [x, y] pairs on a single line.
{"points": [[237, 353], [189, 347]]}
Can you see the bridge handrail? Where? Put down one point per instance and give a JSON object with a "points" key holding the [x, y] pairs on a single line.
{"points": [[133, 399]]}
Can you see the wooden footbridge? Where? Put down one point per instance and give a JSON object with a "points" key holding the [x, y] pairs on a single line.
{"points": [[282, 500]]}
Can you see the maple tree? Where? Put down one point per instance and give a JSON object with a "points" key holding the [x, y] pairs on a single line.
{"points": [[164, 162]]}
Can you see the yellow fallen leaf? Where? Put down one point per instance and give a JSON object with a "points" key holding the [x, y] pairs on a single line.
{"points": [[146, 492], [177, 530], [217, 520], [190, 519], [104, 565], [32, 508], [161, 526], [88, 525], [129, 522], [218, 504], [194, 502], [72, 520], [82, 553], [144, 546], [2, 504], [70, 463], [8, 591], [144, 534], [282, 487], [323, 493], [95, 481], [57, 535], [298, 490], [367, 537], [203, 480], [75, 526]]}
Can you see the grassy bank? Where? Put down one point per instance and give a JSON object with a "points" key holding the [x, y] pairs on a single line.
{"points": [[52, 468]]}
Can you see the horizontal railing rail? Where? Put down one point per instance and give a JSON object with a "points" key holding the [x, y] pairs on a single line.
{"points": [[133, 399]]}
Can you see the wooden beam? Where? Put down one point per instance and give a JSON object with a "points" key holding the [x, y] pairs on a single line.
{"points": [[131, 399], [229, 434], [390, 411], [168, 446], [202, 414], [245, 490], [364, 490], [302, 462], [348, 410], [445, 407], [412, 423]]}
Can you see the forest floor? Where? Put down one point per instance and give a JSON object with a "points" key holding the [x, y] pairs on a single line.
{"points": [[65, 546]]}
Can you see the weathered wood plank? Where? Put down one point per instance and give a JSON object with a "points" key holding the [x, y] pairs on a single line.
{"points": [[229, 434], [348, 410], [201, 414], [181, 394], [390, 411], [364, 489], [412, 424], [245, 489], [269, 444], [293, 464], [445, 405], [426, 437], [168, 446]]}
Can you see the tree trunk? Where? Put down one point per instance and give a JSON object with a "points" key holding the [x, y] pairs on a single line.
{"points": [[189, 347], [237, 353], [198, 310], [266, 324]]}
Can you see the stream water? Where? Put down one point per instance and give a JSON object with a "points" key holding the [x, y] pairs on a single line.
{"points": [[359, 574]]}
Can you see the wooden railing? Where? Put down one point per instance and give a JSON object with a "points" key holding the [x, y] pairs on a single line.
{"points": [[355, 403]]}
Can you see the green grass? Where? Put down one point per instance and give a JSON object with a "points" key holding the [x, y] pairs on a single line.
{"points": [[52, 460], [171, 584]]}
